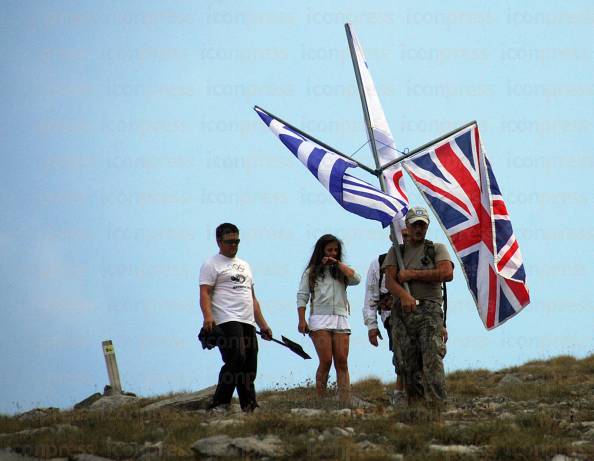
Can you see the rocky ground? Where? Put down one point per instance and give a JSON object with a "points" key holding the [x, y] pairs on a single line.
{"points": [[543, 410]]}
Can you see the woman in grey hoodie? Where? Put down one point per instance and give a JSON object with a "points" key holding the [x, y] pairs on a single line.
{"points": [[323, 285]]}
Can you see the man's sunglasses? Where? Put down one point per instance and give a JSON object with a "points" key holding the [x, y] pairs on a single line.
{"points": [[231, 241]]}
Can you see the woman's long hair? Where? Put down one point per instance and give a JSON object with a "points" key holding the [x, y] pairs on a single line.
{"points": [[316, 269]]}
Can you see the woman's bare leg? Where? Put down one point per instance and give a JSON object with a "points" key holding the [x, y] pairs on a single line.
{"points": [[340, 352], [323, 343]]}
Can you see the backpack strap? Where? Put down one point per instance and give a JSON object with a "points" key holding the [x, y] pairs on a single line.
{"points": [[445, 302], [380, 259], [430, 250], [401, 246], [430, 253]]}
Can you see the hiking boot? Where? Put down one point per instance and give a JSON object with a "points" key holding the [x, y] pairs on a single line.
{"points": [[251, 408], [397, 398], [218, 410]]}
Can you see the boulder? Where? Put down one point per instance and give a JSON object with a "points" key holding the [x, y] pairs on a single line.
{"points": [[86, 403], [108, 390], [338, 432], [356, 402], [306, 412], [219, 423], [62, 428], [111, 402], [366, 445], [224, 446], [194, 401], [57, 429], [580, 443], [342, 412], [120, 450], [88, 457], [6, 454], [270, 446], [150, 452], [508, 380], [217, 445], [38, 413], [460, 449]]}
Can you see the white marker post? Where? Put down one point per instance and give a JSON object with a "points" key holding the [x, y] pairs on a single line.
{"points": [[112, 367]]}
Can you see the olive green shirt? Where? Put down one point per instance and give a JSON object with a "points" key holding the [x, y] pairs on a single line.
{"points": [[413, 259]]}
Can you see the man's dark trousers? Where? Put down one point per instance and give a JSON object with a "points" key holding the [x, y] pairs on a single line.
{"points": [[239, 349]]}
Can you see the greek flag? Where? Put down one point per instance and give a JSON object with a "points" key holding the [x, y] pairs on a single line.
{"points": [[329, 168]]}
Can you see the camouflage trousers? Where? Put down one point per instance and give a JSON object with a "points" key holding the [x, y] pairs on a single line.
{"points": [[419, 349]]}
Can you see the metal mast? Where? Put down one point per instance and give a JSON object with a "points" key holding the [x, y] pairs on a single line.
{"points": [[378, 167]]}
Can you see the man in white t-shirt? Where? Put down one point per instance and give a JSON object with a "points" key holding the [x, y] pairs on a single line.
{"points": [[228, 301]]}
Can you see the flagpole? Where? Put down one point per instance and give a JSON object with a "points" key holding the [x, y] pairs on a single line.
{"points": [[425, 146], [317, 141], [378, 167]]}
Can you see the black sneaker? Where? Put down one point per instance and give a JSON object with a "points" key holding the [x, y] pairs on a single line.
{"points": [[251, 408]]}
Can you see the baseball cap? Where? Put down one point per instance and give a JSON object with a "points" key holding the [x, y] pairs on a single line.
{"points": [[417, 213]]}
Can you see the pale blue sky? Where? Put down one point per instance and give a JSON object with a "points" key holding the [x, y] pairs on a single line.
{"points": [[128, 135]]}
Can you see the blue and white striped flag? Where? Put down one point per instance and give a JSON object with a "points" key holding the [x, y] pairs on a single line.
{"points": [[329, 168]]}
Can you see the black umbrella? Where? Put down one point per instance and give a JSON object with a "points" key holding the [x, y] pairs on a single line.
{"points": [[291, 345]]}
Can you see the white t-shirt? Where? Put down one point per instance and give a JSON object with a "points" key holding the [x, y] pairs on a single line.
{"points": [[232, 294]]}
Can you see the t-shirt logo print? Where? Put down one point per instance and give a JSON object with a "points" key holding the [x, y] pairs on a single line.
{"points": [[238, 278]]}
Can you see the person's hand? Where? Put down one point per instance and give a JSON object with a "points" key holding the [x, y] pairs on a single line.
{"points": [[408, 303], [385, 303], [303, 327], [372, 335], [266, 333], [208, 324], [328, 261], [405, 275]]}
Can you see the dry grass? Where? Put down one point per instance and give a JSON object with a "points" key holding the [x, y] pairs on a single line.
{"points": [[543, 417]]}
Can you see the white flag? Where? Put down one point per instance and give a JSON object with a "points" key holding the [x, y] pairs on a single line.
{"points": [[382, 137]]}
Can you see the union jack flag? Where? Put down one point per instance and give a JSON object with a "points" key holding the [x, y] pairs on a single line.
{"points": [[457, 181]]}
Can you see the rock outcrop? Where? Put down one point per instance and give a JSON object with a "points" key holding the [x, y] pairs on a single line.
{"points": [[193, 401], [269, 446]]}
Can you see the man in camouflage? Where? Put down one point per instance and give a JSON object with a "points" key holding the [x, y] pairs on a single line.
{"points": [[417, 324]]}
